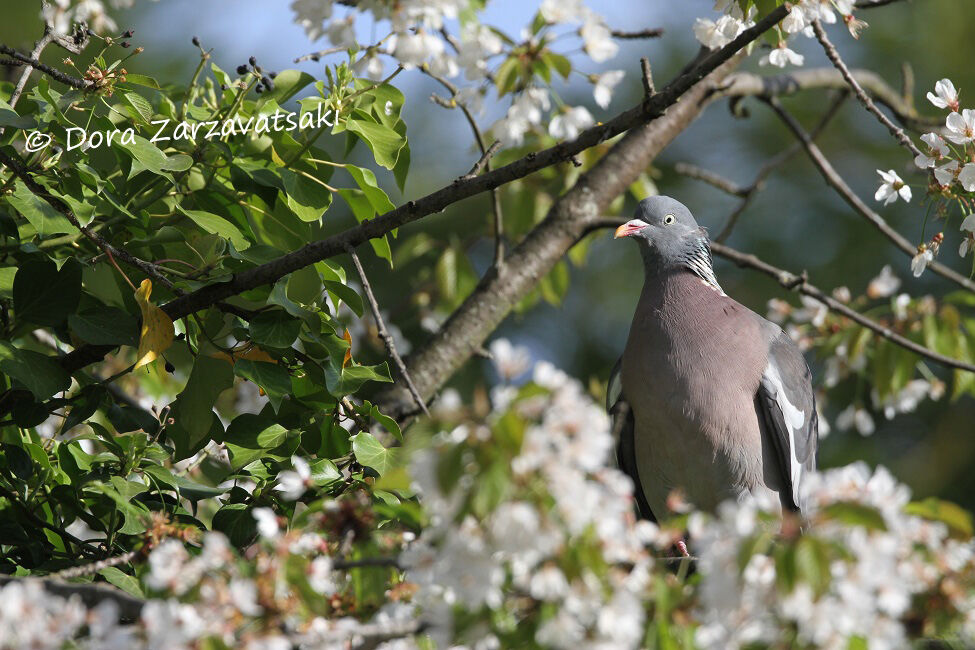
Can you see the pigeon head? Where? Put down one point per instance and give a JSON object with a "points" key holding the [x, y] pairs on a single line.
{"points": [[669, 238]]}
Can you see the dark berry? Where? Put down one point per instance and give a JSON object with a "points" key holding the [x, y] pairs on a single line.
{"points": [[129, 33], [125, 44], [196, 41], [252, 61], [268, 83], [259, 88], [242, 69], [272, 74], [170, 368]]}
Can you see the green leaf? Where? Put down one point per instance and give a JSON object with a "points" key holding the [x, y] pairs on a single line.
{"points": [[353, 377], [852, 513], [958, 520], [346, 294], [44, 295], [387, 422], [324, 471], [40, 374], [105, 326], [122, 580], [193, 409], [142, 107], [384, 142], [306, 198], [363, 209], [274, 328], [559, 62], [507, 76], [366, 181], [9, 117], [146, 154], [141, 80], [287, 83], [271, 377], [218, 226], [236, 521], [249, 436], [371, 453], [41, 214]]}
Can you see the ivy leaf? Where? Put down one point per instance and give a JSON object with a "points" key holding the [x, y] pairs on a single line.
{"points": [[44, 295], [157, 328], [273, 379], [249, 436], [371, 453], [274, 328]]}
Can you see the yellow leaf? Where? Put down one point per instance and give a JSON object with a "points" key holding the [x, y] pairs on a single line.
{"points": [[157, 327]]}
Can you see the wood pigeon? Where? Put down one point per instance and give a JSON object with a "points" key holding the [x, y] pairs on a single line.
{"points": [[708, 396]]}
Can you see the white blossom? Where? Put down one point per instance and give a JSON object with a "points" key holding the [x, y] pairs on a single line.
{"points": [[311, 15], [855, 417], [946, 174], [597, 39], [944, 95], [921, 260], [561, 11], [781, 56], [511, 361], [292, 484], [267, 523], [966, 177], [961, 126], [602, 90], [715, 34], [885, 284], [937, 149], [568, 125], [891, 188]]}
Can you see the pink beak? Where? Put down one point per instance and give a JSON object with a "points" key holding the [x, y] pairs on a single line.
{"points": [[630, 228]]}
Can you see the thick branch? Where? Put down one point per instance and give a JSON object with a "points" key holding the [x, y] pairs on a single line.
{"points": [[54, 73], [494, 297], [834, 180]]}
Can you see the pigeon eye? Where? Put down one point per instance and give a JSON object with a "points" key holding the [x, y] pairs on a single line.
{"points": [[669, 219]]}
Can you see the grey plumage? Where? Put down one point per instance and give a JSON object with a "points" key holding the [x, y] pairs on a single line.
{"points": [[709, 397]]}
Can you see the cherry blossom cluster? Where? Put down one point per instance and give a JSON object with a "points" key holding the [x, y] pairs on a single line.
{"points": [[718, 33], [947, 157], [868, 566], [419, 36]]}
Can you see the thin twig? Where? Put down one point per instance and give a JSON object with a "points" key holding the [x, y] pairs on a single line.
{"points": [[383, 332], [655, 32], [771, 165], [801, 284], [647, 77], [834, 180], [315, 56], [54, 73], [711, 178], [95, 567], [345, 565], [833, 55], [482, 162]]}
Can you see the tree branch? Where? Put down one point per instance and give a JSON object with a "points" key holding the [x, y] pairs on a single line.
{"points": [[384, 333], [833, 55], [91, 594], [745, 84], [834, 180], [54, 73]]}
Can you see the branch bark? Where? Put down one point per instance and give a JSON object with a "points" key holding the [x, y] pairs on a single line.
{"points": [[469, 326]]}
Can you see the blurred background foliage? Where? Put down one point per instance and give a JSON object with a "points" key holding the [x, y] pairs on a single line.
{"points": [[795, 222]]}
